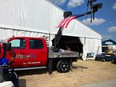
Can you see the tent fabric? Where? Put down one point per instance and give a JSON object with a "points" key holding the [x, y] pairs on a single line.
{"points": [[38, 18], [39, 15], [90, 45]]}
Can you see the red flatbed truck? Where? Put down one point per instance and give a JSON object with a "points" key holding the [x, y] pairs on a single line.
{"points": [[33, 53]]}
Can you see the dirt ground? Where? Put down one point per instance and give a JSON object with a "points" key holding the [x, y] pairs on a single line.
{"points": [[84, 72]]}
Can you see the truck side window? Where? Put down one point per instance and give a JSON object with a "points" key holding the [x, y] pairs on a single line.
{"points": [[18, 43], [36, 44]]}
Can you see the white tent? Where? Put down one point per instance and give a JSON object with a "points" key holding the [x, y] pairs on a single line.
{"points": [[40, 17]]}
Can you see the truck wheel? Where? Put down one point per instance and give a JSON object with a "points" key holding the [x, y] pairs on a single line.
{"points": [[63, 66], [113, 61], [103, 60], [96, 59]]}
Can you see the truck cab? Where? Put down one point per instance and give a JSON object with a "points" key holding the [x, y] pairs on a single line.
{"points": [[32, 53], [27, 51]]}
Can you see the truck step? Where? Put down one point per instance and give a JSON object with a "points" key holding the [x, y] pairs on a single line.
{"points": [[29, 68]]}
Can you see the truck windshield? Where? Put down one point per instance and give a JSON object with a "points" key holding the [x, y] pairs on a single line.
{"points": [[18, 43]]}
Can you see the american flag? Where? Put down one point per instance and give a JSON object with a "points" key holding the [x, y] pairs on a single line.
{"points": [[65, 22]]}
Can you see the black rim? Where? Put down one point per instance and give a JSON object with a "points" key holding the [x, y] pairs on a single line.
{"points": [[64, 66]]}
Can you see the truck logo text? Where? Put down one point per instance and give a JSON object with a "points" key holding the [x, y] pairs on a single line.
{"points": [[24, 56]]}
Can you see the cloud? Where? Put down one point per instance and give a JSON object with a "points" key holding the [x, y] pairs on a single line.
{"points": [[74, 3], [58, 2], [96, 21], [106, 36], [112, 29], [114, 6]]}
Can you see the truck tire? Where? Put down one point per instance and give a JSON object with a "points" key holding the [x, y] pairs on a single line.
{"points": [[113, 61], [103, 60], [63, 66], [96, 59]]}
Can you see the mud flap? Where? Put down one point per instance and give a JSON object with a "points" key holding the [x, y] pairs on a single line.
{"points": [[50, 66], [71, 65]]}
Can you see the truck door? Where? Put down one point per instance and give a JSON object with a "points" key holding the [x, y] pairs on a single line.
{"points": [[37, 52], [18, 52]]}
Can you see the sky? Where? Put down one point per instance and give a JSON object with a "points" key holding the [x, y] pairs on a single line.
{"points": [[105, 19]]}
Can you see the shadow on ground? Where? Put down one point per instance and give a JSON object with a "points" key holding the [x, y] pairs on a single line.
{"points": [[31, 72], [79, 67]]}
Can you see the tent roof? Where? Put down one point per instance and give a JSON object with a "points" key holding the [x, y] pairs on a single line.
{"points": [[39, 16], [108, 42]]}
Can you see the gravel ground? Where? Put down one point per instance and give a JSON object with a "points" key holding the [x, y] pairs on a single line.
{"points": [[84, 72]]}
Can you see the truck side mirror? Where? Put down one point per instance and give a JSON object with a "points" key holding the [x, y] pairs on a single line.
{"points": [[7, 46]]}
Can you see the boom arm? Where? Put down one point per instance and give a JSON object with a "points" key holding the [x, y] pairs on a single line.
{"points": [[57, 39], [59, 34]]}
